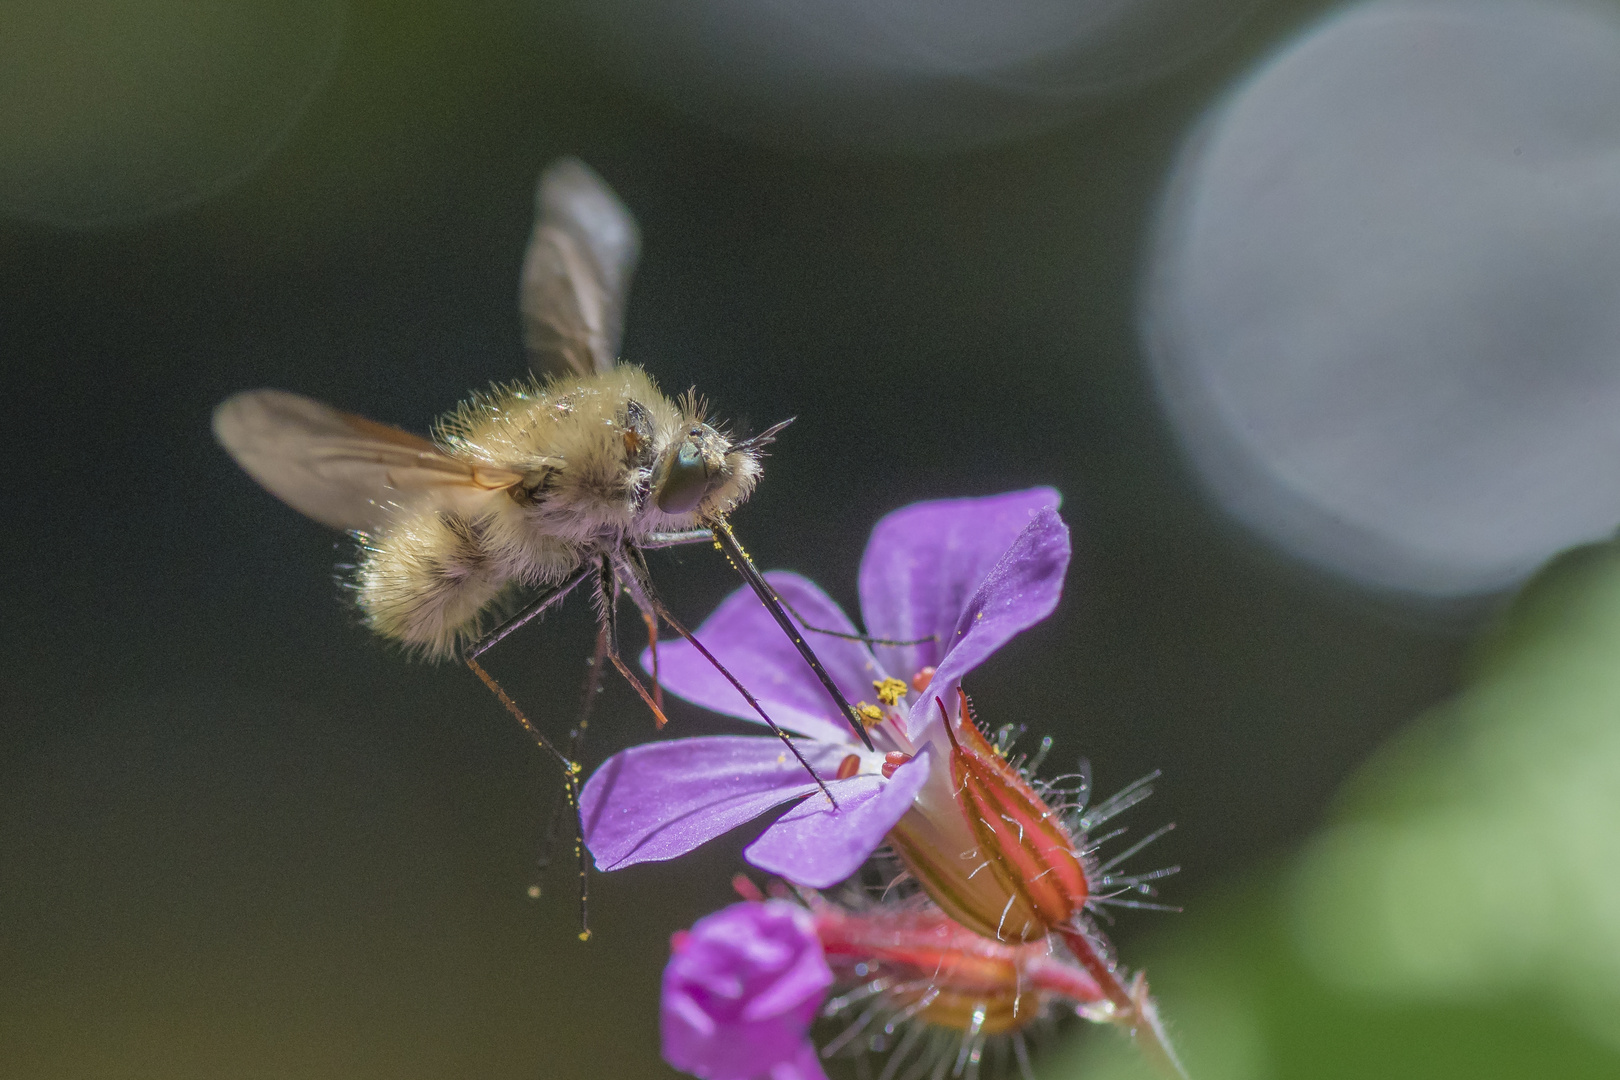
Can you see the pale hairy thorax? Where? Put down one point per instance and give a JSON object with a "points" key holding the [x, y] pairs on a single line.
{"points": [[589, 450]]}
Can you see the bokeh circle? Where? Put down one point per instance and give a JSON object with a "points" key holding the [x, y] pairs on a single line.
{"points": [[118, 110], [1383, 305]]}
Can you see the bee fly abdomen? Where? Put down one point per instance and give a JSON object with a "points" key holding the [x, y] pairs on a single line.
{"points": [[426, 579]]}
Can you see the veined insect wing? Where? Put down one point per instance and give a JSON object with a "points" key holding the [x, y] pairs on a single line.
{"points": [[576, 272], [341, 469]]}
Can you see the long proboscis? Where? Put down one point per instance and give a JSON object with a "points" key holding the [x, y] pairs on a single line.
{"points": [[726, 540], [757, 443]]}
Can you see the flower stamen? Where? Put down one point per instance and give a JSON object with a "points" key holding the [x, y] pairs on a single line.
{"points": [[889, 691]]}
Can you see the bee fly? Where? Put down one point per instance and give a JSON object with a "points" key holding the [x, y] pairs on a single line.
{"points": [[543, 484]]}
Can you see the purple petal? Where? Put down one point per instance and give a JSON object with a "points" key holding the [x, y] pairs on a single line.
{"points": [[740, 992], [1019, 591], [660, 800], [816, 846], [925, 561], [743, 636], [805, 1065]]}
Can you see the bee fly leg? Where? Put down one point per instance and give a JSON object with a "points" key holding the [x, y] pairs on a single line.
{"points": [[607, 595], [655, 542], [576, 747], [569, 761], [651, 619], [694, 536], [593, 687], [676, 539], [636, 571], [547, 599], [867, 638], [570, 769]]}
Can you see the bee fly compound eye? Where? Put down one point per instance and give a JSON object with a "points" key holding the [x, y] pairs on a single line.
{"points": [[683, 480]]}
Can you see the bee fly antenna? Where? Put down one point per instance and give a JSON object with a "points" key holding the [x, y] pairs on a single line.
{"points": [[726, 541], [766, 437]]}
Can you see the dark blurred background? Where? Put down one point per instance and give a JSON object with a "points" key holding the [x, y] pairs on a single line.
{"points": [[239, 837]]}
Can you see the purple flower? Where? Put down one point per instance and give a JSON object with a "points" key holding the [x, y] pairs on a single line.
{"points": [[740, 991], [967, 574]]}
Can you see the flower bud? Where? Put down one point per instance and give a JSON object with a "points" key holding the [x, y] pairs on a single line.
{"points": [[949, 976], [992, 854], [740, 991]]}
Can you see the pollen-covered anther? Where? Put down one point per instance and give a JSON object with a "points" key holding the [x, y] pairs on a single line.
{"points": [[889, 691], [871, 715], [920, 681], [892, 761]]}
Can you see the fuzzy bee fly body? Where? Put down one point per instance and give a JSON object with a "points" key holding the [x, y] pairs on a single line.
{"points": [[522, 485], [593, 464], [544, 484]]}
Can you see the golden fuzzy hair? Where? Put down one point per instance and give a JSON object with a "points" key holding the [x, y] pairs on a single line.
{"points": [[588, 449]]}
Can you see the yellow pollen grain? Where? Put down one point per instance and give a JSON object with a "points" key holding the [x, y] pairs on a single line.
{"points": [[889, 691], [870, 715]]}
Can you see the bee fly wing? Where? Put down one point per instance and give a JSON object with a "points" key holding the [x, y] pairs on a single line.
{"points": [[340, 469], [576, 272]]}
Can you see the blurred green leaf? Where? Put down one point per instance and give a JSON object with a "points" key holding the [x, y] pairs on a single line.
{"points": [[1461, 914], [1478, 858], [1243, 1004]]}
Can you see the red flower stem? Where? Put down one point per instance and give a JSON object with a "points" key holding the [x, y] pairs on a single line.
{"points": [[1133, 1008], [1054, 976], [1080, 945]]}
